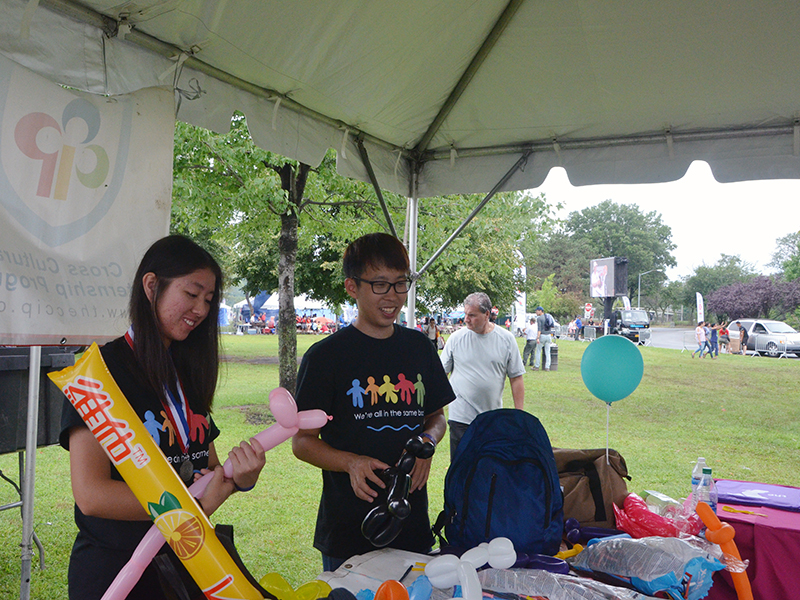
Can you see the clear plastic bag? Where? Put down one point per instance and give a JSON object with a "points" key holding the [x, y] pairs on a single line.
{"points": [[731, 563], [653, 564], [554, 586]]}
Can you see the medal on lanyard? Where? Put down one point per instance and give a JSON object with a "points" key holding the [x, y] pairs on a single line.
{"points": [[177, 411]]}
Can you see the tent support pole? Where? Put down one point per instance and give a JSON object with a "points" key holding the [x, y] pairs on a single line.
{"points": [[466, 77], [517, 166], [413, 214], [30, 471], [374, 181]]}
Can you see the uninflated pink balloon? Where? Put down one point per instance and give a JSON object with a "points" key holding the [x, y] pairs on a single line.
{"points": [[288, 422]]}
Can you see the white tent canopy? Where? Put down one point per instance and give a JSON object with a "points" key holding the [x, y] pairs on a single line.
{"points": [[454, 90], [451, 96]]}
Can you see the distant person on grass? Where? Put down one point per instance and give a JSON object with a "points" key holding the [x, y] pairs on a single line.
{"points": [[714, 329], [529, 350], [724, 338], [709, 348], [364, 438], [700, 338], [742, 338], [544, 338]]}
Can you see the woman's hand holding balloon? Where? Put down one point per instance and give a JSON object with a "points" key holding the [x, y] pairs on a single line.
{"points": [[247, 461], [217, 489]]}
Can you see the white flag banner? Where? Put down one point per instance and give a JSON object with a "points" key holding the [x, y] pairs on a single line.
{"points": [[85, 188], [701, 313]]}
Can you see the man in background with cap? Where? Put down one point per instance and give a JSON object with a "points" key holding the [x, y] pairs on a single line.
{"points": [[544, 338]]}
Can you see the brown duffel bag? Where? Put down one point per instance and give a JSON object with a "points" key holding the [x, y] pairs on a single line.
{"points": [[591, 486]]}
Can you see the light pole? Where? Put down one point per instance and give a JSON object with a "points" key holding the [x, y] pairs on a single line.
{"points": [[639, 289]]}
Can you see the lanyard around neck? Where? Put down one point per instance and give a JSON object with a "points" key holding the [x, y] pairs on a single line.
{"points": [[177, 408]]}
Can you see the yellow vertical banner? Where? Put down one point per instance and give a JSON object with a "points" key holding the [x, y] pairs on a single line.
{"points": [[101, 404]]}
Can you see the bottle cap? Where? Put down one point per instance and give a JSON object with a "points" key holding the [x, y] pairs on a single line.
{"points": [[706, 470]]}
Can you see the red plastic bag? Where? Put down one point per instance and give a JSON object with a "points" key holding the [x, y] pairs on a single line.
{"points": [[638, 521]]}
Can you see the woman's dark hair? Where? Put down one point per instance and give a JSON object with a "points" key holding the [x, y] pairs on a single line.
{"points": [[196, 358], [374, 250]]}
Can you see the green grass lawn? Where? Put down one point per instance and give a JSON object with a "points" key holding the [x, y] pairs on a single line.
{"points": [[741, 413]]}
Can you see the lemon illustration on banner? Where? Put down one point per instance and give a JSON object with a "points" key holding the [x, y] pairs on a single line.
{"points": [[182, 529]]}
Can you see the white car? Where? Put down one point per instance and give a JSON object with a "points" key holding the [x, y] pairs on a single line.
{"points": [[773, 338]]}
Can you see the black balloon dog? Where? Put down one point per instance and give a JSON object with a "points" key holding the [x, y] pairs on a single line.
{"points": [[384, 522]]}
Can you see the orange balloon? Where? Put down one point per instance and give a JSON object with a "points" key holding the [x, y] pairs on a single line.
{"points": [[722, 534], [391, 590]]}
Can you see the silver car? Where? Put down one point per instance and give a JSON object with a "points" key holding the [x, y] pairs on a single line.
{"points": [[765, 336]]}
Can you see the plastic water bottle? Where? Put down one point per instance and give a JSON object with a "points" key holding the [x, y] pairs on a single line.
{"points": [[707, 490], [697, 474]]}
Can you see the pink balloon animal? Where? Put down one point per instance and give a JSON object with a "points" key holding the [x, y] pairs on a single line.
{"points": [[288, 422]]}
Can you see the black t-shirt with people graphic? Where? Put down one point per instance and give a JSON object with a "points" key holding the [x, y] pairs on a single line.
{"points": [[378, 392]]}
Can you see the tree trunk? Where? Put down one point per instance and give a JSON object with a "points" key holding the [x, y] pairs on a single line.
{"points": [[293, 180]]}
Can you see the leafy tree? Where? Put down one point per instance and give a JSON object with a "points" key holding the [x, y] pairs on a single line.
{"points": [[791, 266], [562, 305], [485, 257], [285, 227], [765, 297], [566, 258], [706, 279], [612, 229], [253, 201], [787, 248], [667, 296]]}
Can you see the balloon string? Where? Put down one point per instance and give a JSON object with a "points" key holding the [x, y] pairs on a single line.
{"points": [[608, 413]]}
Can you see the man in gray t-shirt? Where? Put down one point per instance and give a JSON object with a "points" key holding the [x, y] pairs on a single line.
{"points": [[478, 358]]}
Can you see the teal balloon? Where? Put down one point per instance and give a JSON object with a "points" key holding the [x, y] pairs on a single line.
{"points": [[612, 368]]}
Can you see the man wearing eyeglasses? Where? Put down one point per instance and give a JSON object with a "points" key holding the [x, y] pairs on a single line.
{"points": [[479, 357], [382, 384]]}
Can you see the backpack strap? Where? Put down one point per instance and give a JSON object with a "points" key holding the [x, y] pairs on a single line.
{"points": [[595, 485], [438, 528]]}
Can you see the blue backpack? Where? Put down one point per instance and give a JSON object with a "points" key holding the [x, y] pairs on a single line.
{"points": [[503, 482]]}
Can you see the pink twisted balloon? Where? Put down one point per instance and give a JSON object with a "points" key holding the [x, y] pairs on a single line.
{"points": [[288, 422]]}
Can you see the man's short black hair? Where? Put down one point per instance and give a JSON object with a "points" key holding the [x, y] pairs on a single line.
{"points": [[374, 250]]}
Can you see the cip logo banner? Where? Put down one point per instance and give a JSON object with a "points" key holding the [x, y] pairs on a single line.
{"points": [[85, 187]]}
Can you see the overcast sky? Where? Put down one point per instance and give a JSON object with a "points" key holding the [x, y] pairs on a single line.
{"points": [[707, 218]]}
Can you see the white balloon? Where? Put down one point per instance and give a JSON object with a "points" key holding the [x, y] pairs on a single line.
{"points": [[477, 556], [501, 553], [442, 571], [470, 584]]}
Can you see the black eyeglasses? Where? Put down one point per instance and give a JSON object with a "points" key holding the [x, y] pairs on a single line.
{"points": [[383, 287]]}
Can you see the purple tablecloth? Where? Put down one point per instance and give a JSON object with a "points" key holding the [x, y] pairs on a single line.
{"points": [[772, 545]]}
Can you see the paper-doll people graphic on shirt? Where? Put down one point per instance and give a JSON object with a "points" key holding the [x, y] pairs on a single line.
{"points": [[372, 390], [198, 425], [167, 426], [387, 390], [420, 390], [153, 427], [357, 393], [405, 387]]}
